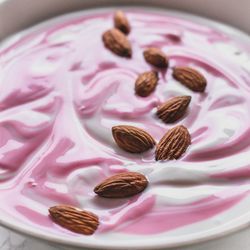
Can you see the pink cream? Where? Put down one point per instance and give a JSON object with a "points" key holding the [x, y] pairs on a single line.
{"points": [[62, 91]]}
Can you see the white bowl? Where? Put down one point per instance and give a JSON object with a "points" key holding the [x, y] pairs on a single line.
{"points": [[15, 16]]}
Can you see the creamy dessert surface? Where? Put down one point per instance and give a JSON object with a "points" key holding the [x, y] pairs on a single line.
{"points": [[61, 93]]}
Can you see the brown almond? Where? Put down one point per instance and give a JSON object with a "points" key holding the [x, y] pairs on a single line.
{"points": [[156, 57], [173, 144], [74, 219], [190, 78], [146, 83], [121, 22], [173, 109], [122, 185], [117, 42], [132, 139]]}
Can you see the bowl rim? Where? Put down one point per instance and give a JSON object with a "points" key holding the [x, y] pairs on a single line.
{"points": [[190, 239]]}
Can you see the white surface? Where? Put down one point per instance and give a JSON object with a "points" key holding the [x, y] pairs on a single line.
{"points": [[13, 241]]}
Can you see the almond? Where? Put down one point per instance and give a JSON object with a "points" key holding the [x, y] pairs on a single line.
{"points": [[121, 22], [156, 57], [74, 219], [146, 83], [122, 185], [132, 139], [117, 42], [173, 144], [173, 109], [190, 78]]}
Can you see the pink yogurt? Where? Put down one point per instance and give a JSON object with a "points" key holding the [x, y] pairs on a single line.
{"points": [[61, 93]]}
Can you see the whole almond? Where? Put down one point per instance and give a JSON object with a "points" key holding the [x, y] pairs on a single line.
{"points": [[132, 139], [122, 185], [117, 42], [156, 57], [146, 83], [190, 78], [121, 22], [173, 109], [74, 219], [173, 144]]}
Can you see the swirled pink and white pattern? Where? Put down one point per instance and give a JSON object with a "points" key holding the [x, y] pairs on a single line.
{"points": [[61, 92]]}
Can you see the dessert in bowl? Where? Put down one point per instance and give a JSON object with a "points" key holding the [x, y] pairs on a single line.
{"points": [[138, 134]]}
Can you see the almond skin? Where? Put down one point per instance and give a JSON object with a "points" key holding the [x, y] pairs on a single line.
{"points": [[173, 109], [122, 185], [156, 57], [146, 83], [74, 219], [117, 42], [121, 22], [190, 78], [132, 139], [173, 144]]}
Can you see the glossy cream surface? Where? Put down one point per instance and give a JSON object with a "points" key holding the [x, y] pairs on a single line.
{"points": [[61, 92]]}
